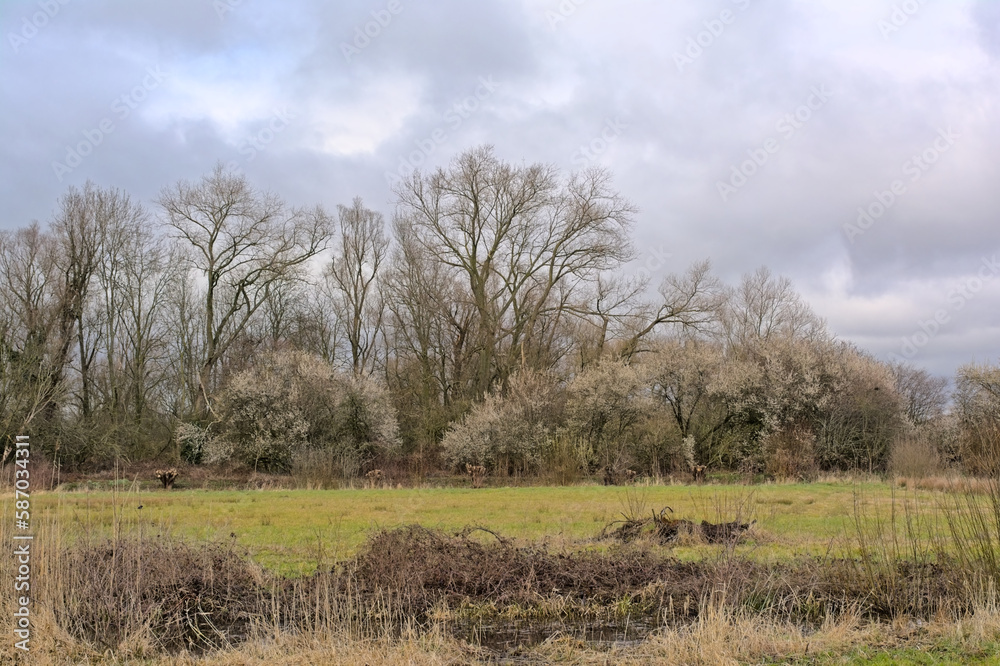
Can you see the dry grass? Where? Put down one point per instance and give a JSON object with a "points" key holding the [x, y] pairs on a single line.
{"points": [[915, 456], [432, 646], [720, 636], [954, 483]]}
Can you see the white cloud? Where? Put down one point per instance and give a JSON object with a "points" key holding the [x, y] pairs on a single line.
{"points": [[376, 112]]}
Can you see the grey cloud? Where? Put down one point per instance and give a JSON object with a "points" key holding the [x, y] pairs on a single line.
{"points": [[560, 85]]}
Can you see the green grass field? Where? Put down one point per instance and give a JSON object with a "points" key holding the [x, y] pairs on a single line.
{"points": [[291, 531]]}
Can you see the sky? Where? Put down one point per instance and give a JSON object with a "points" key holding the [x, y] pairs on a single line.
{"points": [[850, 145]]}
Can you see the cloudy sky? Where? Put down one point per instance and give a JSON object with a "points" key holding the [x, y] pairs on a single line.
{"points": [[851, 144]]}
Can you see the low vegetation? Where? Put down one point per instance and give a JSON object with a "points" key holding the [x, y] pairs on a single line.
{"points": [[794, 573]]}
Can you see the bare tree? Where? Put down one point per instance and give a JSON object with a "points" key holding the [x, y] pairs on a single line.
{"points": [[925, 395], [184, 316], [30, 296], [428, 328], [692, 301], [764, 306], [520, 238], [318, 329], [79, 233], [361, 249], [135, 274], [29, 307], [241, 243]]}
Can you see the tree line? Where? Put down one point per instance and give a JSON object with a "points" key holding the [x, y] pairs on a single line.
{"points": [[489, 322]]}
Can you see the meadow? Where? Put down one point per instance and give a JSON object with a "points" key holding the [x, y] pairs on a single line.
{"points": [[292, 531], [835, 571]]}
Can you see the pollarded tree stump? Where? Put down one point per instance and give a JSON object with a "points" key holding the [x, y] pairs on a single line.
{"points": [[614, 476], [167, 477], [373, 479], [610, 476], [478, 473]]}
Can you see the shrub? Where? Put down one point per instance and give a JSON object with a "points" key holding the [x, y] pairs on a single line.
{"points": [[564, 460], [977, 401], [262, 423], [605, 406], [315, 469], [789, 453], [293, 402], [507, 434], [914, 456], [196, 445], [363, 427], [690, 381], [862, 415]]}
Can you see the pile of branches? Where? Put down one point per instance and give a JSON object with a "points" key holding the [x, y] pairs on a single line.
{"points": [[664, 529], [423, 566]]}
